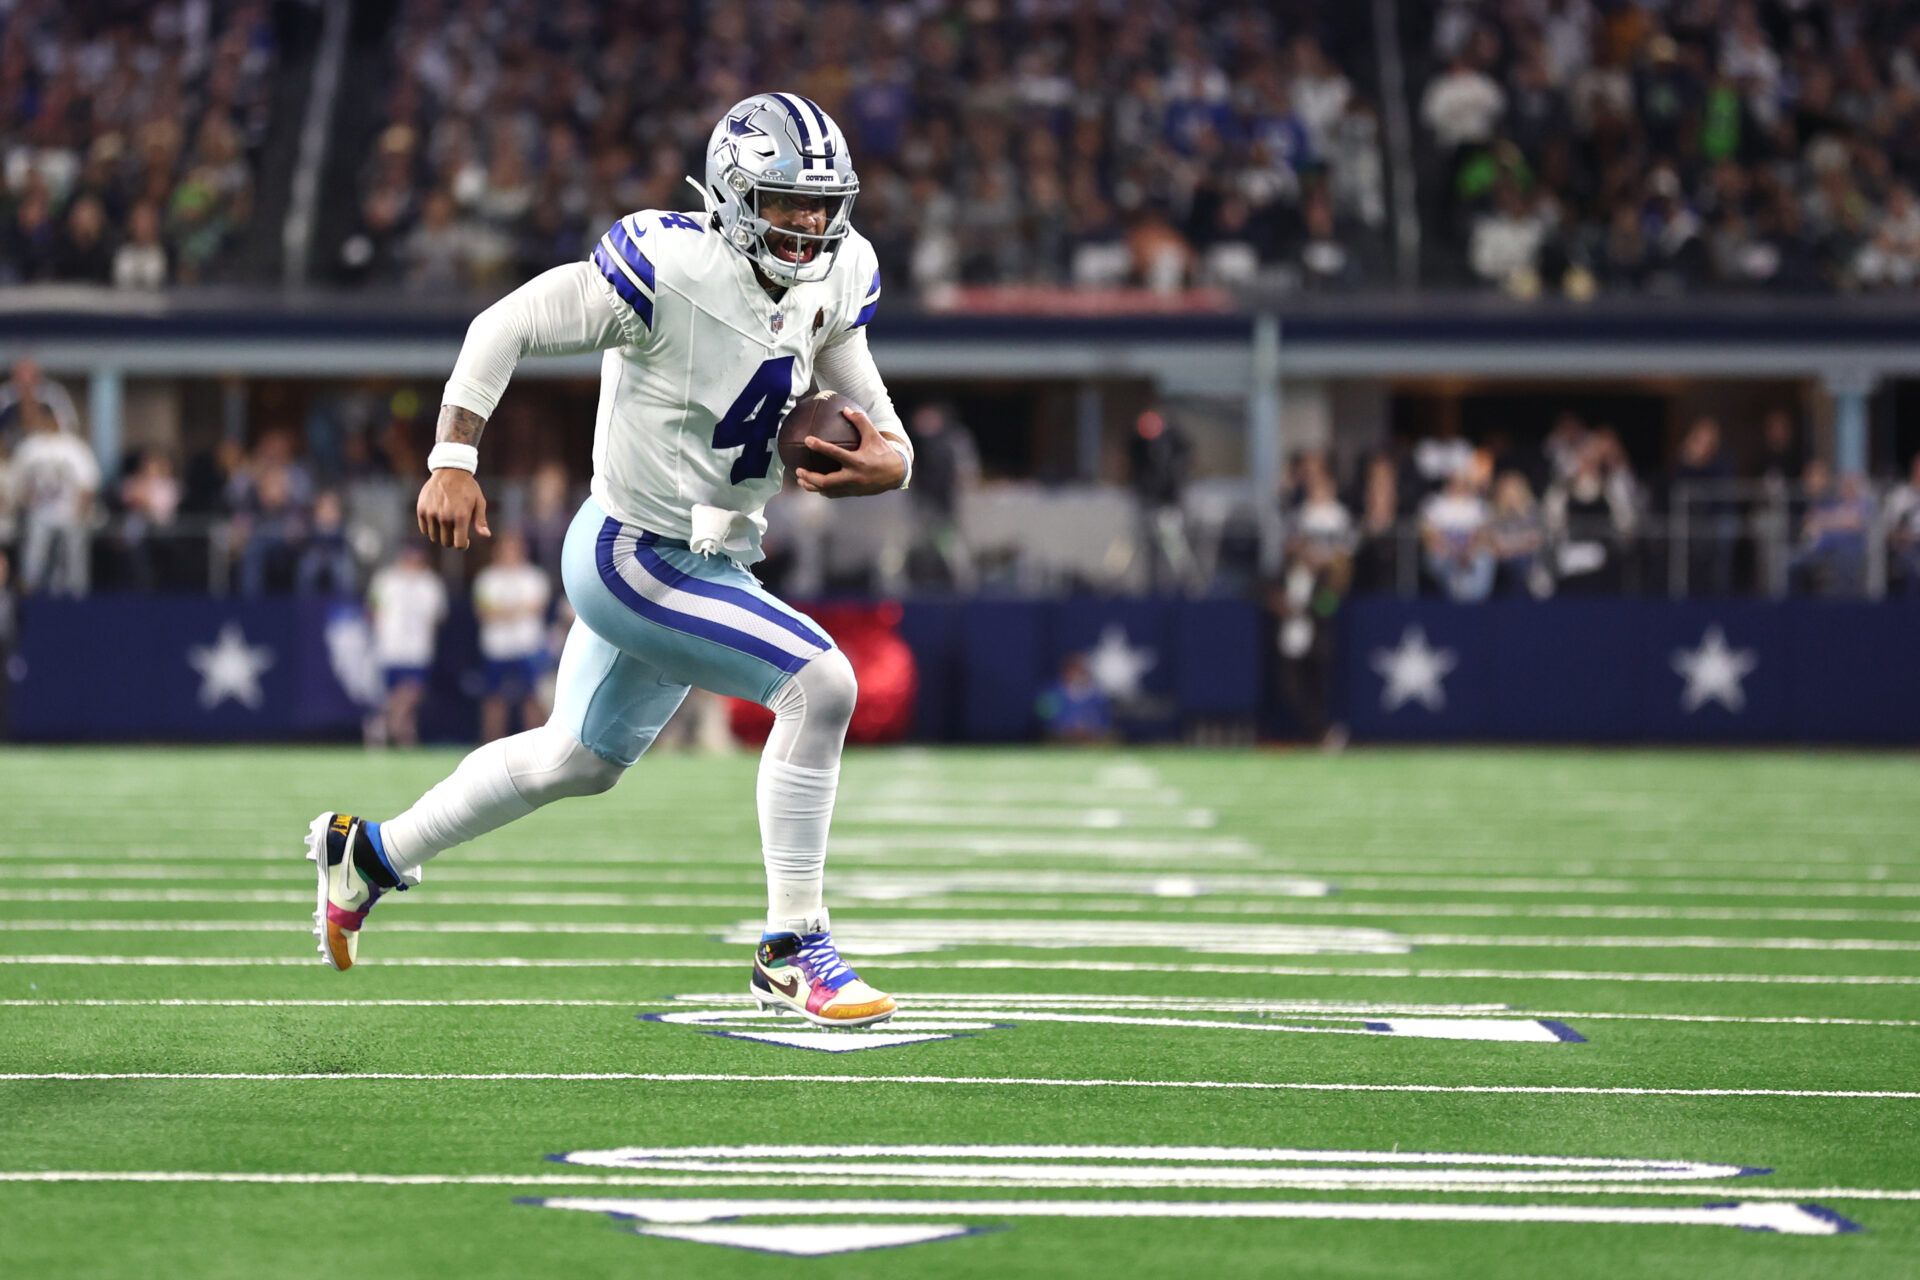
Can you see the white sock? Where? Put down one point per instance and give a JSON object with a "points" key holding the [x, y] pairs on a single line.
{"points": [[497, 783], [796, 808], [475, 798]]}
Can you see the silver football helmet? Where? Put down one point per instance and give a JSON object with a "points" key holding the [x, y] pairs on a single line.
{"points": [[767, 146]]}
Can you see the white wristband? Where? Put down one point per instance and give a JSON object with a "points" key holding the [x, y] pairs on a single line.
{"points": [[905, 457], [461, 457]]}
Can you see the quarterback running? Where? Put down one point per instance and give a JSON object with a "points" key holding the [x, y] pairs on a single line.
{"points": [[712, 325]]}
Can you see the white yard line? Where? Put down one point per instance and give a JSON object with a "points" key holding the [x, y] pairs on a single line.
{"points": [[1659, 943], [1171, 893], [982, 812], [1203, 879], [304, 926], [1014, 794], [472, 887], [1031, 966], [949, 932], [1305, 1012], [1746, 1190], [505, 898], [1045, 1082]]}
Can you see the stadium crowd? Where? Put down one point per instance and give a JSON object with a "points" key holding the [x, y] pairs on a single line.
{"points": [[990, 149], [315, 502], [1572, 516], [1560, 146], [130, 138], [1579, 146]]}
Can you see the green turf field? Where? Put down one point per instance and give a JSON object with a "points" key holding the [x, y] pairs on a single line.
{"points": [[1400, 1014]]}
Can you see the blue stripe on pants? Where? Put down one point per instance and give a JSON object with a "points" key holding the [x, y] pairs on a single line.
{"points": [[657, 567], [686, 623]]}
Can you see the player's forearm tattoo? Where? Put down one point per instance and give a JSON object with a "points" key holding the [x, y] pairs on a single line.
{"points": [[458, 426]]}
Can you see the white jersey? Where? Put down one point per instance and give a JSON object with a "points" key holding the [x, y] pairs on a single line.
{"points": [[701, 365], [53, 473], [516, 596], [407, 607]]}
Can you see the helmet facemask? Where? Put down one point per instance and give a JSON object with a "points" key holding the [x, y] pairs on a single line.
{"points": [[792, 257]]}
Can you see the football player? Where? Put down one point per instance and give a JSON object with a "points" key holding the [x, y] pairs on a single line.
{"points": [[712, 325]]}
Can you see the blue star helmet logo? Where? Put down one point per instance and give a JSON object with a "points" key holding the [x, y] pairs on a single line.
{"points": [[742, 126]]}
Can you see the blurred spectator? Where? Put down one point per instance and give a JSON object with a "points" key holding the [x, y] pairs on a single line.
{"points": [[1590, 518], [84, 254], [1319, 569], [1507, 242], [1832, 559], [1903, 529], [407, 602], [141, 263], [1565, 443], [214, 478], [1892, 256], [1708, 511], [946, 466], [1073, 709], [325, 565], [1438, 458], [510, 599], [150, 497], [1161, 454], [268, 529], [1517, 537], [52, 480], [1161, 256], [549, 513], [1375, 563], [1329, 258], [1462, 105], [1781, 459], [29, 393], [29, 243], [1453, 532]]}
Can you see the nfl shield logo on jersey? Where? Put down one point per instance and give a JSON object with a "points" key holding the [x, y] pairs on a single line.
{"points": [[776, 320]]}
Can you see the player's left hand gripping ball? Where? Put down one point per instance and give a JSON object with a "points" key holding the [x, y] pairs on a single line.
{"points": [[873, 466]]}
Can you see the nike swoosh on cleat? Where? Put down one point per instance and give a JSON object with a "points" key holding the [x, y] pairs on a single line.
{"points": [[790, 988]]}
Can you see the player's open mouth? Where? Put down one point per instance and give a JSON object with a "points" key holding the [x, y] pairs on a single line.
{"points": [[792, 248]]}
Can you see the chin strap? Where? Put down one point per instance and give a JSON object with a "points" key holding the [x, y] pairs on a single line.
{"points": [[707, 198]]}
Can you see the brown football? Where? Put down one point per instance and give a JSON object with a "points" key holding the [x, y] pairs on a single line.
{"points": [[817, 415]]}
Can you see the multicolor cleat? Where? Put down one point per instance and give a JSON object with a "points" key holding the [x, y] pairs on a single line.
{"points": [[803, 972], [353, 873]]}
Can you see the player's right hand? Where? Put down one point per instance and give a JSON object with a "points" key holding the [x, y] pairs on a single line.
{"points": [[450, 503]]}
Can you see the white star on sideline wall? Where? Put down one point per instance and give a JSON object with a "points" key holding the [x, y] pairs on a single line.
{"points": [[1117, 666], [1413, 671], [230, 668], [1713, 672]]}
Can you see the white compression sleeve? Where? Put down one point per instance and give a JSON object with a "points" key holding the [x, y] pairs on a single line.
{"points": [[799, 777], [846, 365], [505, 779], [562, 312]]}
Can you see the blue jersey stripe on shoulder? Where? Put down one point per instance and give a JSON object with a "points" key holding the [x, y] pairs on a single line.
{"points": [[866, 314], [641, 264], [623, 285], [873, 290]]}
